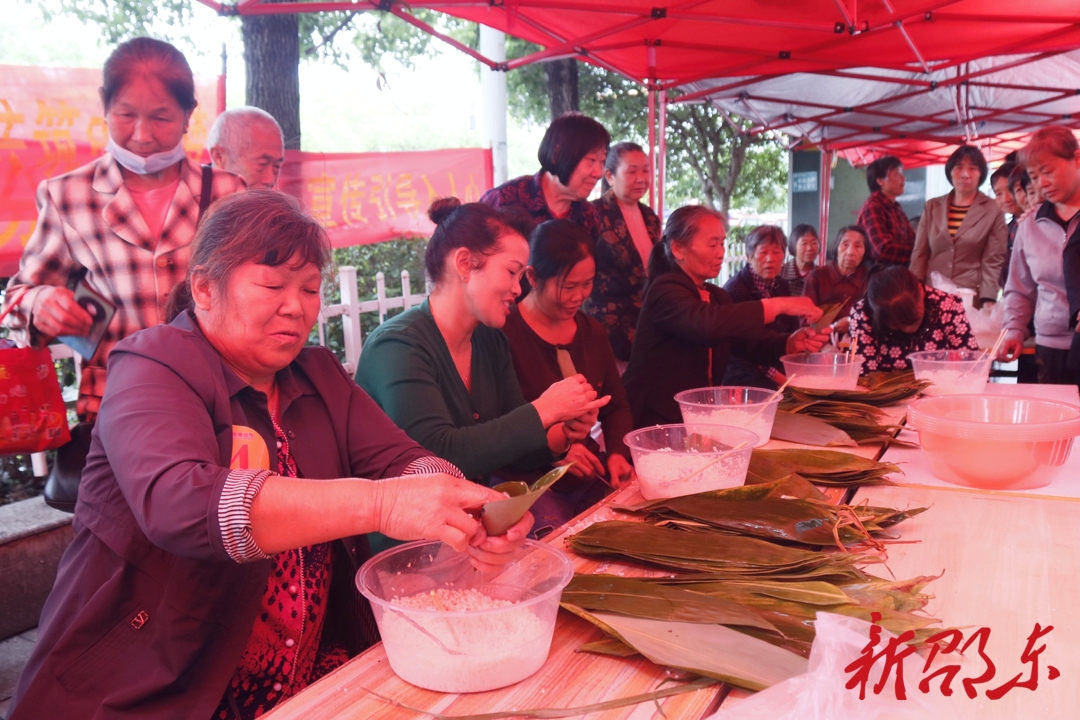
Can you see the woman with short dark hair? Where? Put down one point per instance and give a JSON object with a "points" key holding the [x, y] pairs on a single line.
{"points": [[962, 235], [442, 370], [689, 327], [572, 156], [628, 230], [900, 315], [890, 233], [223, 513], [804, 247]]}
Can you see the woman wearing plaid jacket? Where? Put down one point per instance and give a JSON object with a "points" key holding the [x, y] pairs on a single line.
{"points": [[125, 220]]}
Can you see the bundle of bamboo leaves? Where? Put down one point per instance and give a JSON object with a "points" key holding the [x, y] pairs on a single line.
{"points": [[717, 554], [876, 388], [746, 577], [821, 467], [860, 422], [779, 613], [770, 512]]}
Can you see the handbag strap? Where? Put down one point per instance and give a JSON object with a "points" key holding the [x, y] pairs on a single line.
{"points": [[207, 187], [13, 303]]}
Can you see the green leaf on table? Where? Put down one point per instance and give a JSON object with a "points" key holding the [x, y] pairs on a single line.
{"points": [[499, 516], [823, 467], [717, 554], [807, 430], [828, 315], [877, 388], [714, 651], [608, 646], [633, 596]]}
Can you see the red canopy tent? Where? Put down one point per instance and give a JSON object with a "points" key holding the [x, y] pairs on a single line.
{"points": [[690, 45], [671, 45]]}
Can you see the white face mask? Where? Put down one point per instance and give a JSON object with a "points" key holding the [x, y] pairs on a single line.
{"points": [[145, 165]]}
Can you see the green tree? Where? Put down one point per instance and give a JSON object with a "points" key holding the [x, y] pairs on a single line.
{"points": [[274, 45]]}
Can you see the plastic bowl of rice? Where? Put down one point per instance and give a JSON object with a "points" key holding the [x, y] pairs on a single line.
{"points": [[823, 370], [448, 627], [952, 372], [746, 407], [675, 460]]}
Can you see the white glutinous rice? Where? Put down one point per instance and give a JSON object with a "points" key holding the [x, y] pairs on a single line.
{"points": [[450, 652], [954, 382], [698, 421], [668, 474], [826, 382]]}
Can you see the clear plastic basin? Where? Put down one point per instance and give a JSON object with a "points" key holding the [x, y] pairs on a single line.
{"points": [[995, 442], [823, 371], [423, 594], [671, 460], [952, 372], [747, 407]]}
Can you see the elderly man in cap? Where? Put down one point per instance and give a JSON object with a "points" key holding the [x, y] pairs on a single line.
{"points": [[247, 141]]}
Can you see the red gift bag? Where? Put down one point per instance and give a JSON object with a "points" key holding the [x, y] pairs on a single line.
{"points": [[32, 412]]}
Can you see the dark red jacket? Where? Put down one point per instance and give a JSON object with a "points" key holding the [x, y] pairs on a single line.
{"points": [[675, 333], [149, 616]]}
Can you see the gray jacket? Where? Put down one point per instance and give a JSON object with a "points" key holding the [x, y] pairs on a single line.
{"points": [[973, 258], [1036, 285]]}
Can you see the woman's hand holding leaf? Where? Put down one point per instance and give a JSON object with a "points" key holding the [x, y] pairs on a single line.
{"points": [[431, 507], [489, 553]]}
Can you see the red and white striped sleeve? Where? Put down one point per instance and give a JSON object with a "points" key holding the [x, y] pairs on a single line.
{"points": [[234, 514]]}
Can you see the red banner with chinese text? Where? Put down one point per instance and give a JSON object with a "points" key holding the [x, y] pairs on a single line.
{"points": [[51, 122], [365, 198]]}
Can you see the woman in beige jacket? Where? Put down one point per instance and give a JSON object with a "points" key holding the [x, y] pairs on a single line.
{"points": [[963, 235]]}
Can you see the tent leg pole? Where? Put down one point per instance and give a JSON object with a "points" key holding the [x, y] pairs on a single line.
{"points": [[662, 159], [493, 91], [221, 80], [826, 182], [652, 149]]}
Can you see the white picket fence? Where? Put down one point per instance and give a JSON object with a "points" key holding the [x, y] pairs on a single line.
{"points": [[351, 308]]}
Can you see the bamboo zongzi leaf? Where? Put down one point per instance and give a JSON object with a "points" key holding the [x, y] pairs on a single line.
{"points": [[808, 430], [500, 515], [711, 650], [631, 596]]}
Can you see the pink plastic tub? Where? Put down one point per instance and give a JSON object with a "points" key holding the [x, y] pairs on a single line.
{"points": [[995, 442]]}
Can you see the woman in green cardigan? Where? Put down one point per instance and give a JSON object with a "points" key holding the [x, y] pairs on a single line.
{"points": [[442, 370]]}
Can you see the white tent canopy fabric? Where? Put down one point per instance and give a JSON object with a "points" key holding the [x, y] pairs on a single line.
{"points": [[992, 102]]}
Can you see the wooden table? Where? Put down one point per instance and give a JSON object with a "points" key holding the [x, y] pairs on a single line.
{"points": [[1008, 563], [1006, 559]]}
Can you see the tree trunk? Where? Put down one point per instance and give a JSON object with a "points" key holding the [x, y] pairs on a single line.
{"points": [[272, 61], [562, 82]]}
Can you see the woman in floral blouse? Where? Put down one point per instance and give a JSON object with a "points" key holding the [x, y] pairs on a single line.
{"points": [[571, 156], [628, 231], [900, 316]]}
